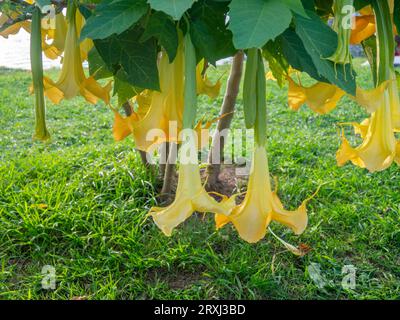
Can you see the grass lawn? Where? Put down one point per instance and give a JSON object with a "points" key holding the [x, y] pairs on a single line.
{"points": [[79, 204]]}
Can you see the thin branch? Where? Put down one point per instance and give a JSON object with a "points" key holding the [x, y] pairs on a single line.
{"points": [[216, 155]]}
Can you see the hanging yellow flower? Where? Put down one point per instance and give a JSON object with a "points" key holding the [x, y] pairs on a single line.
{"points": [[261, 206], [190, 196], [87, 44], [72, 79], [125, 126], [166, 107], [204, 85], [321, 97], [378, 149], [394, 103], [371, 100], [364, 28], [55, 49], [162, 111]]}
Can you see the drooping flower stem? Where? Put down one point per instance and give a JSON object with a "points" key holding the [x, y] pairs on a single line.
{"points": [[385, 41], [260, 127], [342, 54], [190, 96], [254, 95], [41, 132]]}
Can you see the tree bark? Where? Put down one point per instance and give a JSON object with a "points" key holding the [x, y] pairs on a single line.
{"points": [[143, 155], [164, 153], [169, 175], [216, 154]]}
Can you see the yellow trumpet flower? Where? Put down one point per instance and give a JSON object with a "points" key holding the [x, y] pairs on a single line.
{"points": [[371, 100], [394, 104], [378, 149], [159, 110], [190, 197], [166, 106], [55, 49], [125, 126], [87, 44], [364, 28], [261, 206], [204, 85], [72, 79], [321, 97]]}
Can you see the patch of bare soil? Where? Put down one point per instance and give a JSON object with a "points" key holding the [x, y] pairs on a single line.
{"points": [[177, 281], [229, 183]]}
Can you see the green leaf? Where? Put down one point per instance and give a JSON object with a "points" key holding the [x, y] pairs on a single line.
{"points": [[113, 17], [162, 27], [97, 66], [296, 54], [255, 22], [175, 8], [277, 62], [138, 59], [320, 41], [42, 3], [296, 6], [208, 30], [122, 88]]}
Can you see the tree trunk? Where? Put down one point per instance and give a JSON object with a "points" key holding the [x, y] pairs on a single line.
{"points": [[164, 153], [216, 154], [143, 155], [169, 175]]}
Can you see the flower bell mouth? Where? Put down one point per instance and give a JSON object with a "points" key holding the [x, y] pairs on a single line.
{"points": [[364, 28], [372, 99], [190, 196], [261, 205], [321, 97], [204, 85], [73, 81], [378, 149]]}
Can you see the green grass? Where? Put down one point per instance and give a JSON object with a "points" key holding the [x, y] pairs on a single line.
{"points": [[94, 231]]}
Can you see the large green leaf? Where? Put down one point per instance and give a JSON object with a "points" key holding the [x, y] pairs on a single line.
{"points": [[123, 89], [320, 42], [255, 22], [113, 17], [97, 66], [162, 27], [296, 6], [296, 54], [137, 59], [208, 30], [175, 8], [277, 62]]}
